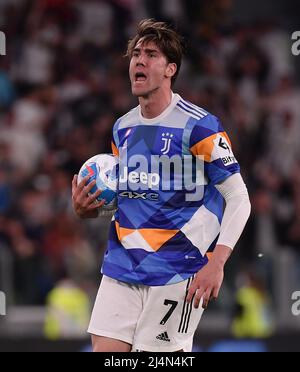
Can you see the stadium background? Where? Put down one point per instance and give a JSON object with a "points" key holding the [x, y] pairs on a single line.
{"points": [[64, 81]]}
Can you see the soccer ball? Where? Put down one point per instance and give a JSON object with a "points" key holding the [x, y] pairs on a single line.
{"points": [[104, 169]]}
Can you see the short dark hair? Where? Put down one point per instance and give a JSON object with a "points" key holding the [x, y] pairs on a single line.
{"points": [[167, 39]]}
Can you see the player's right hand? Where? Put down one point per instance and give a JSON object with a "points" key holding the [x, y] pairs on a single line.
{"points": [[85, 205]]}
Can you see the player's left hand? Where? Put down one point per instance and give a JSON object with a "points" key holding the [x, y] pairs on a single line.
{"points": [[206, 285]]}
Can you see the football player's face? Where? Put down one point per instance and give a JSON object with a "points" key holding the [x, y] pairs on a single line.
{"points": [[149, 69]]}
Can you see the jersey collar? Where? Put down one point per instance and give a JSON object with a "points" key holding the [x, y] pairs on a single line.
{"points": [[175, 99]]}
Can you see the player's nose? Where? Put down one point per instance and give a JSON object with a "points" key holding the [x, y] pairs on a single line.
{"points": [[140, 60]]}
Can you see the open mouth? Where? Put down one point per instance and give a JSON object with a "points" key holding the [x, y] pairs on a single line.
{"points": [[140, 77]]}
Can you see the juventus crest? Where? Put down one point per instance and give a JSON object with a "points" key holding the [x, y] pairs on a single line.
{"points": [[167, 139]]}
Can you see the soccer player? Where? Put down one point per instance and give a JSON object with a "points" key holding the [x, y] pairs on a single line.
{"points": [[167, 247]]}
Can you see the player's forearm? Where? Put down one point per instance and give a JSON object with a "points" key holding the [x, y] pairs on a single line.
{"points": [[221, 255]]}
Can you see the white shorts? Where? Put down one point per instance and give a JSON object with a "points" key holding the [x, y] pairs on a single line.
{"points": [[153, 319]]}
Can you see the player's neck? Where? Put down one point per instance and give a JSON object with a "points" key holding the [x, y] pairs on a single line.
{"points": [[155, 103]]}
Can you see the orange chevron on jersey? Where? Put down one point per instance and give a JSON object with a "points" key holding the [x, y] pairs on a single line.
{"points": [[122, 232], [115, 151], [156, 238], [206, 147]]}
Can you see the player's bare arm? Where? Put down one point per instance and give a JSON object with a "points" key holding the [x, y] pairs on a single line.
{"points": [[208, 281], [84, 204]]}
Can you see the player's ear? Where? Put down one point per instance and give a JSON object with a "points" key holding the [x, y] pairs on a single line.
{"points": [[171, 70]]}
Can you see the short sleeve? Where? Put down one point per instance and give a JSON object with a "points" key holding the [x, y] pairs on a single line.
{"points": [[210, 142]]}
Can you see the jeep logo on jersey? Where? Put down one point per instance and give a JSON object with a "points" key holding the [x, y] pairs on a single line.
{"points": [[139, 179], [167, 139], [2, 44]]}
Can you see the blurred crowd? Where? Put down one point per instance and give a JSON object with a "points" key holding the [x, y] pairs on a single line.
{"points": [[63, 84]]}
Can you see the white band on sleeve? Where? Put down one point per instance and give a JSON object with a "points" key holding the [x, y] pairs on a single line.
{"points": [[237, 210]]}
